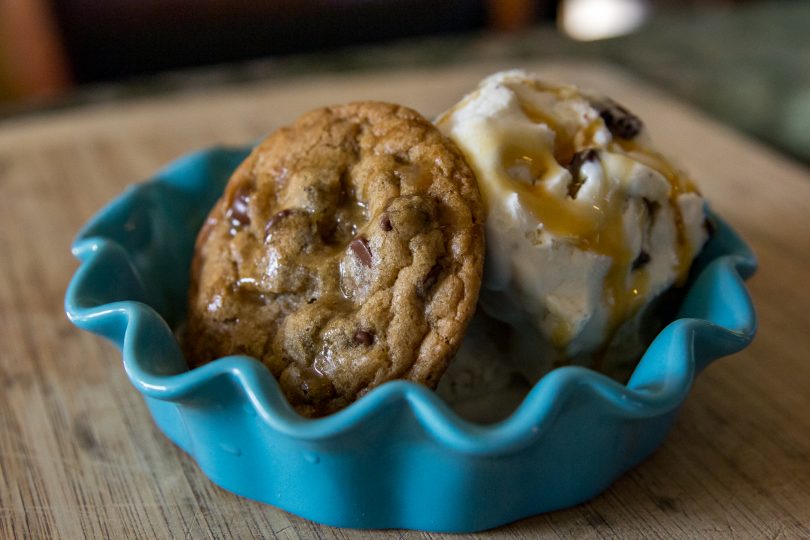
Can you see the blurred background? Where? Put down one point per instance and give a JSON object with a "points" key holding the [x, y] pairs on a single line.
{"points": [[746, 62]]}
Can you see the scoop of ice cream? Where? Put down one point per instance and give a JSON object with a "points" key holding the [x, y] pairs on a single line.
{"points": [[586, 224]]}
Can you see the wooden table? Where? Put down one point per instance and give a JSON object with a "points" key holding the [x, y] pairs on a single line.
{"points": [[80, 456]]}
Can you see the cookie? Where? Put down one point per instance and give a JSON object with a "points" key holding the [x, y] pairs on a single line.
{"points": [[346, 251]]}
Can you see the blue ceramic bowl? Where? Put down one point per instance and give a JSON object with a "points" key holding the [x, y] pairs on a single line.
{"points": [[398, 457]]}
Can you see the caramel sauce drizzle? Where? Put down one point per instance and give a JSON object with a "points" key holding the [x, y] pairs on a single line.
{"points": [[596, 228]]}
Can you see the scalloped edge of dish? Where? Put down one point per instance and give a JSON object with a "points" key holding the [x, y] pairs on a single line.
{"points": [[120, 311]]}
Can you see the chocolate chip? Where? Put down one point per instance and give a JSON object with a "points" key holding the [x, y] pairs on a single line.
{"points": [[583, 156], [642, 260], [651, 206], [276, 219], [238, 212], [621, 122], [385, 222], [429, 280], [575, 167], [363, 337], [361, 250]]}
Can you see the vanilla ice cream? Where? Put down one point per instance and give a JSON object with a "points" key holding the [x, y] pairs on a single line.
{"points": [[586, 224]]}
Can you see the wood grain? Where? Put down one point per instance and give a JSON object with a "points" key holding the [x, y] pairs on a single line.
{"points": [[80, 456]]}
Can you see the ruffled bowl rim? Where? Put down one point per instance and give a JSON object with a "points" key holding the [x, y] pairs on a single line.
{"points": [[658, 385]]}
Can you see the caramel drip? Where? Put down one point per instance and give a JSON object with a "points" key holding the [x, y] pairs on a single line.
{"points": [[597, 228], [564, 148], [526, 162], [565, 220], [680, 184]]}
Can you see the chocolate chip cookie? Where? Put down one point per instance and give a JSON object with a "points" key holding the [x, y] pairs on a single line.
{"points": [[346, 251]]}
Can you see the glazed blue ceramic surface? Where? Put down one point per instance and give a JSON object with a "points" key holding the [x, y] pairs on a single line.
{"points": [[398, 457]]}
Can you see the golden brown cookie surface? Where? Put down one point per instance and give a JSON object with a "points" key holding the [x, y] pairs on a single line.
{"points": [[346, 251]]}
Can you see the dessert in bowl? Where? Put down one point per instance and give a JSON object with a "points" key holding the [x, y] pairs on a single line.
{"points": [[398, 456]]}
